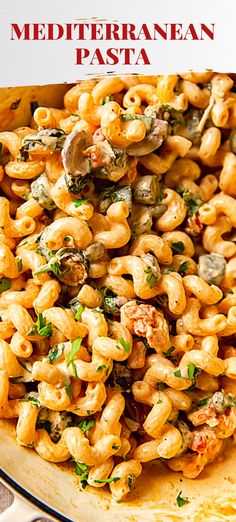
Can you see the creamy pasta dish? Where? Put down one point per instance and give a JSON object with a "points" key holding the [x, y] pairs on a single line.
{"points": [[118, 276]]}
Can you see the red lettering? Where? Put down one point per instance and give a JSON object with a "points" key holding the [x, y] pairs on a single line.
{"points": [[51, 31], [112, 53], [160, 31], [145, 32], [191, 32], [38, 31], [112, 32], [128, 32], [81, 54], [23, 33], [175, 30], [96, 30], [206, 30], [143, 57], [97, 58]]}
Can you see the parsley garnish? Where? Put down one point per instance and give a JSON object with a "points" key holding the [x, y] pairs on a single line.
{"points": [[161, 386], [183, 267], [181, 501], [169, 351], [19, 264], [86, 425], [79, 202], [56, 352], [4, 285], [203, 402], [41, 327], [107, 481], [51, 267], [34, 401], [177, 373], [151, 278], [98, 310], [79, 312], [193, 202], [70, 357], [67, 239], [15, 104], [191, 370], [101, 367], [177, 246], [124, 344], [82, 470], [69, 390]]}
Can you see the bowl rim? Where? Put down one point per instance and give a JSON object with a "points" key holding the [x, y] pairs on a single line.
{"points": [[20, 490]]}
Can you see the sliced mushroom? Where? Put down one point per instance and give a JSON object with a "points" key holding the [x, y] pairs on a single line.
{"points": [[75, 184], [211, 267], [74, 161], [41, 192], [140, 220], [146, 189], [95, 251], [152, 141], [69, 265]]}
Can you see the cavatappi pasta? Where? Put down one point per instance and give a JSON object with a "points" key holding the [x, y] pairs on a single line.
{"points": [[118, 276]]}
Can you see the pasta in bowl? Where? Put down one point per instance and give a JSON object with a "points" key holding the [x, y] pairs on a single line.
{"points": [[117, 263]]}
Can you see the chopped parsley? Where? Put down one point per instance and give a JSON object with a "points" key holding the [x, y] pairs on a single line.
{"points": [[67, 239], [79, 202], [107, 481], [82, 470], [183, 267], [101, 367], [56, 352], [41, 327], [15, 105], [79, 312], [70, 356], [125, 345], [19, 264], [193, 202], [191, 371], [203, 402], [177, 246], [161, 386], [51, 267], [98, 310], [5, 285], [34, 401], [151, 278], [181, 501], [69, 390], [86, 425], [169, 351]]}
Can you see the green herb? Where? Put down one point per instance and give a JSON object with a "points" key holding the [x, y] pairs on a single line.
{"points": [[79, 312], [30, 445], [98, 310], [124, 344], [177, 246], [151, 278], [229, 401], [74, 369], [203, 402], [115, 447], [34, 401], [183, 267], [74, 350], [191, 370], [69, 390], [107, 481], [51, 267], [4, 285], [161, 386], [15, 104], [172, 115], [177, 373], [85, 426], [19, 265], [38, 251], [131, 481], [101, 367], [193, 202], [82, 470], [79, 202], [159, 401], [41, 327], [169, 351], [181, 501], [56, 352], [67, 239]]}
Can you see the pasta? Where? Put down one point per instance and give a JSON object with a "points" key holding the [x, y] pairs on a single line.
{"points": [[117, 276]]}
